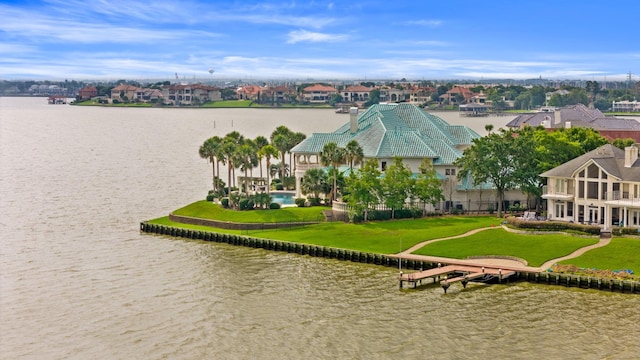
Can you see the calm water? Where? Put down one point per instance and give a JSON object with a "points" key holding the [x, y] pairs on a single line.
{"points": [[78, 280]]}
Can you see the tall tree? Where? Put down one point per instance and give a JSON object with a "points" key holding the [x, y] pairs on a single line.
{"points": [[427, 186], [491, 159], [246, 156], [230, 143], [281, 140], [209, 150], [334, 156], [260, 142], [364, 188], [353, 153], [396, 185], [268, 152]]}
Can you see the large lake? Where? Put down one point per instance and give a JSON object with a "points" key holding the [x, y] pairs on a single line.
{"points": [[79, 281]]}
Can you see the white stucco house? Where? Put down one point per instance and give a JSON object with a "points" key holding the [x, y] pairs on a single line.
{"points": [[600, 187], [385, 131]]}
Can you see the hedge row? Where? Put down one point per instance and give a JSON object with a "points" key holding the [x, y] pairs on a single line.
{"points": [[552, 225]]}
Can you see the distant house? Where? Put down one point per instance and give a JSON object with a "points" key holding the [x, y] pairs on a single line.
{"points": [[355, 94], [600, 187], [385, 131], [124, 92], [278, 95], [610, 127], [318, 93], [452, 95], [87, 93], [190, 94], [148, 95], [420, 95], [626, 106], [249, 92]]}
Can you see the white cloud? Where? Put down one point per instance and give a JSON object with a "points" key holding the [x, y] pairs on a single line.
{"points": [[424, 22], [308, 36]]}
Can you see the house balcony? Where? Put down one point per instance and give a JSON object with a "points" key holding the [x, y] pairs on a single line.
{"points": [[303, 166], [549, 193], [620, 198]]}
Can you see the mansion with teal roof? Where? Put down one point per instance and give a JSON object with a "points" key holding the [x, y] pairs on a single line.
{"points": [[385, 131]]}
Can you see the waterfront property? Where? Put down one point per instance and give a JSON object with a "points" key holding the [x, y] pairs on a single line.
{"points": [[610, 127], [385, 131], [600, 187]]}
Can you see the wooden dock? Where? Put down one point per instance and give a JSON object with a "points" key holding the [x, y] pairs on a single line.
{"points": [[456, 273]]}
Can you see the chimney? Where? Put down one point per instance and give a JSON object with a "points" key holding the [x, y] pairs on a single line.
{"points": [[557, 117], [630, 155], [353, 119]]}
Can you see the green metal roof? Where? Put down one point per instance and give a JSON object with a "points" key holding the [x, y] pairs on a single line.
{"points": [[405, 130]]}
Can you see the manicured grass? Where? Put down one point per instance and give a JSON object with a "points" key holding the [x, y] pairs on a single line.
{"points": [[387, 237], [384, 237], [95, 103], [229, 104], [207, 210], [536, 249], [620, 254]]}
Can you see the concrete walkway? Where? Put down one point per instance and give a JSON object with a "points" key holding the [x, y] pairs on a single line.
{"points": [[490, 262]]}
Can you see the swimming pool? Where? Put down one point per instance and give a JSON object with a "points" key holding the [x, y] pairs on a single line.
{"points": [[284, 198]]}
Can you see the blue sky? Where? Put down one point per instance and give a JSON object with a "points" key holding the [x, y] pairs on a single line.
{"points": [[420, 39]]}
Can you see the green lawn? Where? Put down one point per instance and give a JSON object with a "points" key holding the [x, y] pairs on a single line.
{"points": [[536, 249], [620, 254], [388, 237], [228, 104], [96, 103], [208, 210], [384, 237]]}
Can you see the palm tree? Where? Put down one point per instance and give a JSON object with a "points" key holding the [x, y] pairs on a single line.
{"points": [[245, 160], [296, 139], [268, 151], [281, 142], [260, 142], [332, 155], [313, 182], [209, 150], [229, 147], [281, 139], [353, 153]]}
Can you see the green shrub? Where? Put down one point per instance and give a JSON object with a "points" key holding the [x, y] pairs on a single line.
{"points": [[405, 214], [224, 202], [246, 204], [274, 206], [314, 201], [552, 225], [210, 197], [379, 215], [279, 187], [300, 202]]}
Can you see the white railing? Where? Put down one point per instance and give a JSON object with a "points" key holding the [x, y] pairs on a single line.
{"points": [[622, 197]]}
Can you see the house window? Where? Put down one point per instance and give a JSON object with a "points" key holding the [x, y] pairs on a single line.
{"points": [[451, 172], [570, 209], [384, 166], [593, 171], [592, 190]]}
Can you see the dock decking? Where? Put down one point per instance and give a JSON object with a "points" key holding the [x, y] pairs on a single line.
{"points": [[465, 274]]}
